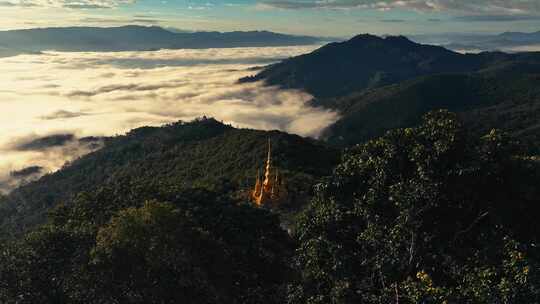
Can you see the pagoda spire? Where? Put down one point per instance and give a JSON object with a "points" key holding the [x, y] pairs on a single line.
{"points": [[269, 158], [269, 189], [267, 183]]}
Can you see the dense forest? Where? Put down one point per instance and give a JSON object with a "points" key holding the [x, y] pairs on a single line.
{"points": [[507, 101], [203, 154], [367, 62], [430, 214]]}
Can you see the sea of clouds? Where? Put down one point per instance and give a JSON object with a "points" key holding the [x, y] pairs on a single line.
{"points": [[54, 105]]}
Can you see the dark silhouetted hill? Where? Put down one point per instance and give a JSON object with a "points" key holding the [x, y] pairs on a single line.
{"points": [[509, 103], [383, 83], [367, 62]]}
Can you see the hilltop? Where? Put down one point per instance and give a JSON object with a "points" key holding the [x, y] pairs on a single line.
{"points": [[364, 62], [203, 154], [378, 84]]}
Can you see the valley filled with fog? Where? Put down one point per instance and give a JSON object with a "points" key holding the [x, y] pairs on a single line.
{"points": [[56, 105]]}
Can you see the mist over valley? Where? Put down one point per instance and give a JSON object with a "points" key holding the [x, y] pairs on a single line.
{"points": [[107, 93]]}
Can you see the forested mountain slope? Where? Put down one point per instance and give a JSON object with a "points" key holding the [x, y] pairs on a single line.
{"points": [[506, 101], [378, 84], [204, 154], [429, 214], [367, 61]]}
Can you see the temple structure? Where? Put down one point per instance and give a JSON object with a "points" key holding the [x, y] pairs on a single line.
{"points": [[270, 189]]}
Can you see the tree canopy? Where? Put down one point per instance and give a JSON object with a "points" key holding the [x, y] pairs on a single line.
{"points": [[431, 214], [423, 215], [196, 248]]}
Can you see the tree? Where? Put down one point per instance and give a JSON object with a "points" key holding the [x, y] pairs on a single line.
{"points": [[423, 215], [107, 247], [156, 254], [43, 267]]}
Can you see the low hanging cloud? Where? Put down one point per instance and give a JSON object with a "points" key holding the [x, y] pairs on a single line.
{"points": [[62, 114], [120, 21], [45, 143], [54, 103], [465, 7], [29, 157], [497, 18], [392, 20]]}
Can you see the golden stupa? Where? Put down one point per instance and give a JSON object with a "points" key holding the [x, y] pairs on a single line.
{"points": [[269, 190]]}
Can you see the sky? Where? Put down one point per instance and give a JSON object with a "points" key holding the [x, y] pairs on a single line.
{"points": [[335, 18]]}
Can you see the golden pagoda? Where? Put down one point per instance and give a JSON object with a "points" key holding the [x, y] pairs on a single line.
{"points": [[269, 190]]}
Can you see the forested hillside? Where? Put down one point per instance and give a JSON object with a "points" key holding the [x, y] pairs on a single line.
{"points": [[368, 61], [203, 154], [503, 100], [431, 214], [383, 83]]}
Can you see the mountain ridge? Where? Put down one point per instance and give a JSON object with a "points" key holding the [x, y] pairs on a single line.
{"points": [[137, 38], [365, 61], [202, 154], [382, 83]]}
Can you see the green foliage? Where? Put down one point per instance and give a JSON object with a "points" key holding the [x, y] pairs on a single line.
{"points": [[202, 154], [199, 248], [506, 101], [154, 252], [43, 267], [423, 215], [431, 214]]}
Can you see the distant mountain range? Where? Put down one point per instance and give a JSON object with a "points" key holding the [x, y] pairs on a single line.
{"points": [[481, 42], [136, 38], [143, 38], [383, 83]]}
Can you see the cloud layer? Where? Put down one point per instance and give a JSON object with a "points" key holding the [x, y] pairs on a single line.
{"points": [[75, 4], [51, 101], [529, 7]]}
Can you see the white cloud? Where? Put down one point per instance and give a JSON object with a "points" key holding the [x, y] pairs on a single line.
{"points": [[459, 6], [76, 4], [96, 94]]}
